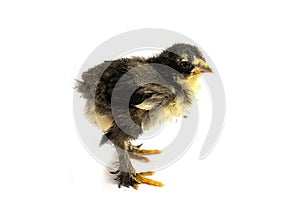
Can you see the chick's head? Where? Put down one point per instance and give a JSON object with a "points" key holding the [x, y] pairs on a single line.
{"points": [[186, 59]]}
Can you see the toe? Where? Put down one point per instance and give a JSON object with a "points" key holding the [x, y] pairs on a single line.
{"points": [[149, 152], [149, 173], [138, 157], [148, 181], [140, 178]]}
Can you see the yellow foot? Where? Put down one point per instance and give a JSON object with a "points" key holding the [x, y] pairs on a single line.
{"points": [[140, 178], [138, 150]]}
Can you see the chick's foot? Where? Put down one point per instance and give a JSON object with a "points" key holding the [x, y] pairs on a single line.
{"points": [[137, 150], [142, 179], [132, 179]]}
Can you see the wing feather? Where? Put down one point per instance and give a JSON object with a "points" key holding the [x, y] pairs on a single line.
{"points": [[151, 96]]}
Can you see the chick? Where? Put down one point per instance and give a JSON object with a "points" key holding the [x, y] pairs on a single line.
{"points": [[126, 96]]}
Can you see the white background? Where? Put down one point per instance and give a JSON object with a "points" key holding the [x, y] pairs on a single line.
{"points": [[255, 46]]}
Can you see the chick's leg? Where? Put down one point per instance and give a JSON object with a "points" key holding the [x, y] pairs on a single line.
{"points": [[127, 176], [126, 171]]}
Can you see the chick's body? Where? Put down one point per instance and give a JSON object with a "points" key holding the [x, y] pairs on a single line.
{"points": [[129, 95]]}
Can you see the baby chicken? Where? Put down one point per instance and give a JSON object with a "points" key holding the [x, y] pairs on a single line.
{"points": [[126, 96]]}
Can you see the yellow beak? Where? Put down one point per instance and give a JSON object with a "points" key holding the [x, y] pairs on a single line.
{"points": [[204, 67]]}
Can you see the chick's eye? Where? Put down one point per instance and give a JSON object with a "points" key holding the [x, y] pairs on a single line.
{"points": [[186, 65]]}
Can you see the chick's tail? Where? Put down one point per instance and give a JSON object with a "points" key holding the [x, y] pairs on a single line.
{"points": [[90, 80]]}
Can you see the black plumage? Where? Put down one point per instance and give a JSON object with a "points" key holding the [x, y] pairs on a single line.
{"points": [[129, 95]]}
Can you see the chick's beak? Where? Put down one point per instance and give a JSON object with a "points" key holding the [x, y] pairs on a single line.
{"points": [[204, 67]]}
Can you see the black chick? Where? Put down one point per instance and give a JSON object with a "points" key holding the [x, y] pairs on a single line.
{"points": [[129, 95]]}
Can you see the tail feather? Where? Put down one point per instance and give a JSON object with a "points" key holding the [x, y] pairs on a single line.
{"points": [[90, 80], [105, 138]]}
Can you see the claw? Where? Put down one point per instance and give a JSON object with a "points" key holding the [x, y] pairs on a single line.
{"points": [[138, 146], [114, 172]]}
